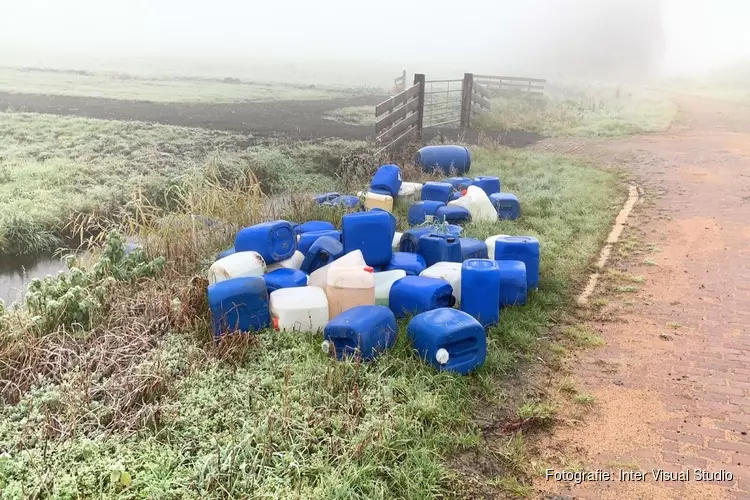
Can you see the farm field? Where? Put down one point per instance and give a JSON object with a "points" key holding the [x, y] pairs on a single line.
{"points": [[162, 89]]}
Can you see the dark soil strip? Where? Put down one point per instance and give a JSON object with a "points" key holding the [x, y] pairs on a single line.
{"points": [[293, 120]]}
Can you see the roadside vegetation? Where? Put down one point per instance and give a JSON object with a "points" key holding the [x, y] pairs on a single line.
{"points": [[112, 386], [602, 112], [161, 89]]}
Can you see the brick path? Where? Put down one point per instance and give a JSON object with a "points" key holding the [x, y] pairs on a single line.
{"points": [[673, 380]]}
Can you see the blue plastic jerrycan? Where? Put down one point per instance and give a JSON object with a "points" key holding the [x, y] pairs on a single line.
{"points": [[372, 233], [436, 191], [416, 294], [453, 214], [284, 278], [523, 248], [346, 200], [225, 253], [507, 205], [410, 238], [472, 248], [448, 339], [326, 197], [274, 241], [480, 290], [489, 184], [367, 329], [456, 195], [387, 180], [439, 247], [239, 305], [419, 211], [321, 253], [458, 183], [513, 287], [306, 240], [411, 263], [314, 225]]}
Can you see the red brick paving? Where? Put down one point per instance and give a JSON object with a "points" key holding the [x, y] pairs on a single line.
{"points": [[697, 383]]}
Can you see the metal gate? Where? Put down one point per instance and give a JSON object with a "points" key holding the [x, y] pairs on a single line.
{"points": [[442, 103]]}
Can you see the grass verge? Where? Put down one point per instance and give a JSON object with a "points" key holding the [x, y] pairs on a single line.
{"points": [[135, 400], [609, 115]]}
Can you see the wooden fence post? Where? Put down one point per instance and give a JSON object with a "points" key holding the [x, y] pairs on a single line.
{"points": [[468, 88], [419, 78]]}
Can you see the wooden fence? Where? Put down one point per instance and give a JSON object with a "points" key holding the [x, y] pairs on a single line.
{"points": [[431, 103], [517, 84], [401, 116], [399, 83]]}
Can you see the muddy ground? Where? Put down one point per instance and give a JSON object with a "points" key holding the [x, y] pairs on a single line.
{"points": [[293, 120]]}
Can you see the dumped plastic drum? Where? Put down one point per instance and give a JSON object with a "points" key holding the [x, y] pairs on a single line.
{"points": [[444, 158]]}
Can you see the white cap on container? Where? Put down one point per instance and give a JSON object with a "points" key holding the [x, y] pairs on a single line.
{"points": [[326, 346], [442, 356]]}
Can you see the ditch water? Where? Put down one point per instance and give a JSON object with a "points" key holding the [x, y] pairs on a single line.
{"points": [[16, 272]]}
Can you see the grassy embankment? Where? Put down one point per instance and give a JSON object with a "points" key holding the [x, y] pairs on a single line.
{"points": [[54, 170], [590, 112], [161, 89], [112, 385]]}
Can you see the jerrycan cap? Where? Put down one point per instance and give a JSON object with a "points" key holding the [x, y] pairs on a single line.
{"points": [[275, 322], [326, 346], [369, 269], [463, 192], [442, 356]]}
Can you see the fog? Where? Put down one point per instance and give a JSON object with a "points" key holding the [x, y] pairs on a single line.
{"points": [[360, 42]]}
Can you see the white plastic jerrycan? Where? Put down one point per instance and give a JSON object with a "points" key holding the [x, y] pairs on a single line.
{"points": [[396, 242], [299, 309], [237, 265], [410, 192], [319, 276], [293, 262], [383, 282], [478, 204], [490, 242], [349, 286], [447, 271], [375, 200]]}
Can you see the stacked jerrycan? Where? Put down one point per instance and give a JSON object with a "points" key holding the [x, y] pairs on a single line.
{"points": [[352, 283], [237, 292], [385, 186]]}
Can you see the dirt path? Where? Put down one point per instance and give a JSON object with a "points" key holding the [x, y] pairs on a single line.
{"points": [[672, 383]]}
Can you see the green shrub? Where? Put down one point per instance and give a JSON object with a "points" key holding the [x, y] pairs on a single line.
{"points": [[72, 300]]}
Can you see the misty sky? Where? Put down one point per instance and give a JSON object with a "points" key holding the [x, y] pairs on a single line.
{"points": [[698, 33]]}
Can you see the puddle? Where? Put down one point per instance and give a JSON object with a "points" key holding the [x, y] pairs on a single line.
{"points": [[16, 272]]}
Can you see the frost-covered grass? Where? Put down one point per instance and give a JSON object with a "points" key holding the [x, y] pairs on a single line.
{"points": [[609, 114], [55, 169], [139, 402]]}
